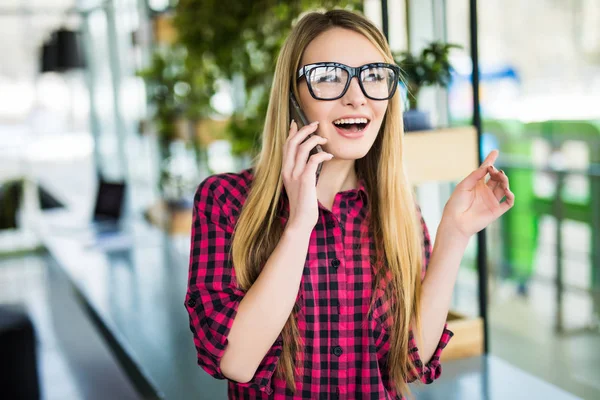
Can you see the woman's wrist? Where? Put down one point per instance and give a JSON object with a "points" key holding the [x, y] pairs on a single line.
{"points": [[449, 233], [298, 229]]}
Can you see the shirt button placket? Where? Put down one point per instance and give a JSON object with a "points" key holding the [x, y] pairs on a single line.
{"points": [[343, 320], [337, 350], [337, 297], [335, 263]]}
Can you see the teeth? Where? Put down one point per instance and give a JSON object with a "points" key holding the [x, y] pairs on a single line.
{"points": [[351, 121]]}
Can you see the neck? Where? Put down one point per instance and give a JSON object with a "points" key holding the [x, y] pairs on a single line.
{"points": [[336, 176]]}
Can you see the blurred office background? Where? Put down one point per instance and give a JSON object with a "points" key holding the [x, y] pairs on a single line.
{"points": [[122, 92]]}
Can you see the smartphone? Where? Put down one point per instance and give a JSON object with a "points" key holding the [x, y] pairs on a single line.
{"points": [[298, 115]]}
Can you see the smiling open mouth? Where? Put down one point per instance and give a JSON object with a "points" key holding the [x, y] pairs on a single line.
{"points": [[352, 125]]}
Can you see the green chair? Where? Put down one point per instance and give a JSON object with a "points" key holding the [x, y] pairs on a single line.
{"points": [[584, 208], [519, 226]]}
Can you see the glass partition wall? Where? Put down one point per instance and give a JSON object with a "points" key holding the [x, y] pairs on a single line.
{"points": [[117, 39], [538, 75]]}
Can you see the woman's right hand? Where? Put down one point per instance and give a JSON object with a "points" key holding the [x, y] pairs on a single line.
{"points": [[299, 174]]}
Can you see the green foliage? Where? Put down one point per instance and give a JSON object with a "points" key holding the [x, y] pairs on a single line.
{"points": [[431, 67], [175, 91], [243, 38]]}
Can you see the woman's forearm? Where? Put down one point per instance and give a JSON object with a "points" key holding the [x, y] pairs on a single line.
{"points": [[266, 306], [475, 203], [438, 286]]}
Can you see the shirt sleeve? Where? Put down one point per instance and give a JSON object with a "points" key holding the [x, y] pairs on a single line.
{"points": [[213, 297], [433, 369]]}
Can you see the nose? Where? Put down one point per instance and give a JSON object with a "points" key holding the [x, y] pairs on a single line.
{"points": [[354, 95]]}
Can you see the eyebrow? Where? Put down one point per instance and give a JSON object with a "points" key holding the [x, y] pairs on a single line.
{"points": [[339, 62]]}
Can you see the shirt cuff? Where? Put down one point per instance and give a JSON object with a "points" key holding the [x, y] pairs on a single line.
{"points": [[433, 369]]}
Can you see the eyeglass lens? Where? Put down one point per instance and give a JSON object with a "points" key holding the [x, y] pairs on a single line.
{"points": [[328, 82]]}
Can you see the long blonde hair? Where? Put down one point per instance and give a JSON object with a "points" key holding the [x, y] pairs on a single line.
{"points": [[394, 223]]}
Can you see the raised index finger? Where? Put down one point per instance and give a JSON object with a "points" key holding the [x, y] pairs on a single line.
{"points": [[491, 158], [480, 173]]}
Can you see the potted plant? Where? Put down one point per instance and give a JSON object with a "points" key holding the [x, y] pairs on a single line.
{"points": [[178, 99], [430, 67], [243, 44]]}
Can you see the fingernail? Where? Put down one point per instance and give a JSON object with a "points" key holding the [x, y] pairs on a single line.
{"points": [[502, 172], [314, 122], [292, 123]]}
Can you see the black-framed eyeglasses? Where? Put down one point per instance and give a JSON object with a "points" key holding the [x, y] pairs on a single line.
{"points": [[330, 80]]}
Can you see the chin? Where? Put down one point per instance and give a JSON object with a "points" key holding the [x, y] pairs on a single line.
{"points": [[350, 154], [349, 149]]}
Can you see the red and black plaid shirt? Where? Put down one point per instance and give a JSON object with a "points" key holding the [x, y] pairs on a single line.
{"points": [[345, 351]]}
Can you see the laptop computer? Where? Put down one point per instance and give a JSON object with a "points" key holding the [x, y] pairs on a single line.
{"points": [[107, 213], [108, 209]]}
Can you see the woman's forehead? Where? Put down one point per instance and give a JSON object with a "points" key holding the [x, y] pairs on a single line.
{"points": [[341, 45]]}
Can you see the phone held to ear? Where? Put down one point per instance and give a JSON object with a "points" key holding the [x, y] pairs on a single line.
{"points": [[298, 115]]}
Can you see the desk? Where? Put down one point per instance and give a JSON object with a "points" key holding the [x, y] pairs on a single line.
{"points": [[134, 295]]}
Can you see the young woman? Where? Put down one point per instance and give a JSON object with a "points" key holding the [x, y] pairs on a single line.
{"points": [[306, 289]]}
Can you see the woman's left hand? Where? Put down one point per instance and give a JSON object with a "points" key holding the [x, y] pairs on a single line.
{"points": [[475, 203]]}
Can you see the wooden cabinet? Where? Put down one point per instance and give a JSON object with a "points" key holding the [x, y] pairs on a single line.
{"points": [[468, 337], [441, 154]]}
